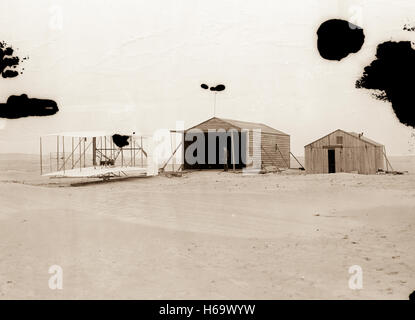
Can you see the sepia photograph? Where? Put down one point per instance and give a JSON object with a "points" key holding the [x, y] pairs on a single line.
{"points": [[234, 151]]}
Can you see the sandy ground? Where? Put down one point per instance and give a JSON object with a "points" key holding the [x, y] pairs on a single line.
{"points": [[206, 235]]}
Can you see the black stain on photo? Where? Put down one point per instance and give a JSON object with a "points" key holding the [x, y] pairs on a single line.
{"points": [[9, 62], [204, 86], [393, 73], [219, 87], [120, 141], [23, 106], [339, 38], [408, 27]]}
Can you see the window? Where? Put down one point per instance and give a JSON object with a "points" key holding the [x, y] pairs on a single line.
{"points": [[339, 140]]}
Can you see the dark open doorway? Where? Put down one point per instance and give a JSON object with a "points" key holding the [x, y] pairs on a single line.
{"points": [[332, 161]]}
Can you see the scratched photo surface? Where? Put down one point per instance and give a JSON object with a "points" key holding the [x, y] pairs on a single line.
{"points": [[192, 149]]}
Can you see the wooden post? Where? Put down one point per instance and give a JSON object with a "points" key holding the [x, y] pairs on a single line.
{"points": [[133, 142], [112, 149], [57, 153], [233, 152], [183, 153], [172, 150], [105, 146], [84, 151], [94, 151], [100, 146], [63, 151], [282, 157], [131, 151], [122, 157], [214, 106], [142, 152], [73, 153], [171, 157], [387, 161], [41, 169], [80, 154], [297, 161]]}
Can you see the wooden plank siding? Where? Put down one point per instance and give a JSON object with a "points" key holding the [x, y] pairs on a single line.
{"points": [[270, 155], [352, 155]]}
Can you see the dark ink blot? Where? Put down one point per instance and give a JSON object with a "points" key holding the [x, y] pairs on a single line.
{"points": [[219, 87], [338, 38], [7, 61], [412, 296], [10, 74], [120, 141], [22, 106], [407, 27], [204, 86], [392, 73]]}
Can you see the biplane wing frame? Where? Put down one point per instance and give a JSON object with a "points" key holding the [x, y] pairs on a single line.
{"points": [[108, 160]]}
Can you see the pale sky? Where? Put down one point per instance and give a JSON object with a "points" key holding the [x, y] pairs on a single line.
{"points": [[139, 64]]}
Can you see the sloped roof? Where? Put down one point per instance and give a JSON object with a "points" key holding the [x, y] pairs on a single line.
{"points": [[246, 125], [354, 135]]}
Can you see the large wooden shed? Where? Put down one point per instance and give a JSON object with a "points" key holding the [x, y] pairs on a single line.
{"points": [[342, 151], [270, 149]]}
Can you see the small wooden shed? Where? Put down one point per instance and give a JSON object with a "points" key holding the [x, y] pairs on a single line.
{"points": [[342, 151], [273, 149]]}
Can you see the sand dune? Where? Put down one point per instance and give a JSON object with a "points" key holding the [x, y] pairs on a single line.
{"points": [[202, 236]]}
